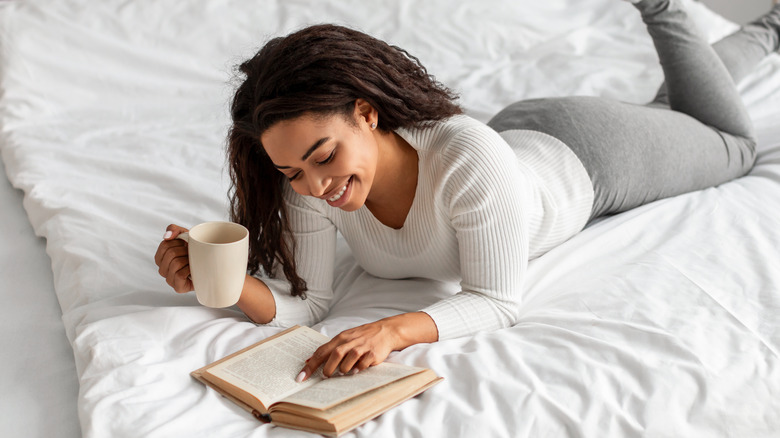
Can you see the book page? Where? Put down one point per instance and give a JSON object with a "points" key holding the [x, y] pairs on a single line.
{"points": [[268, 370], [329, 392]]}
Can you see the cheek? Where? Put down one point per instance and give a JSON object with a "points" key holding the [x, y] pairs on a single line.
{"points": [[366, 161]]}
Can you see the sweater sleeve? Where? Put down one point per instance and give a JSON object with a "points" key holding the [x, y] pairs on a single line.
{"points": [[315, 247], [484, 192]]}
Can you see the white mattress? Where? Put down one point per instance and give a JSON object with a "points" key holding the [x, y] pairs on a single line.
{"points": [[661, 321], [38, 373]]}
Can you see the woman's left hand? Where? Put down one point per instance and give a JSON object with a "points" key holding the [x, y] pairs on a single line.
{"points": [[367, 345]]}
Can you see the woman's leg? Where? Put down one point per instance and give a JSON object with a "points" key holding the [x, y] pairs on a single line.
{"points": [[637, 154], [742, 50], [697, 81]]}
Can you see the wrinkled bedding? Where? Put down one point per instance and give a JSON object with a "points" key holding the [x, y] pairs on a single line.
{"points": [[661, 321]]}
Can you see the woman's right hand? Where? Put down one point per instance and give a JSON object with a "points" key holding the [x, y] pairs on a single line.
{"points": [[172, 259]]}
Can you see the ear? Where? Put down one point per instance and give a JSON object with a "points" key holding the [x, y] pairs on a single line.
{"points": [[366, 113]]}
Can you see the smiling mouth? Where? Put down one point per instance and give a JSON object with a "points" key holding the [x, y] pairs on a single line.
{"points": [[338, 195]]}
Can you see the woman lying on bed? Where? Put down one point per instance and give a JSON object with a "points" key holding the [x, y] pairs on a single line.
{"points": [[334, 130]]}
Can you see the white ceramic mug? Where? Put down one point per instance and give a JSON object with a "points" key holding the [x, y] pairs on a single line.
{"points": [[218, 254]]}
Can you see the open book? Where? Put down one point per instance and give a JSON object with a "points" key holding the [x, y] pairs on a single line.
{"points": [[261, 379]]}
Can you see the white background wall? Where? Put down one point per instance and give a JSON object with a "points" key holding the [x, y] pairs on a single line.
{"points": [[739, 11]]}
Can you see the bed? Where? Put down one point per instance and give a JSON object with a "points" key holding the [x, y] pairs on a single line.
{"points": [[39, 376], [661, 321]]}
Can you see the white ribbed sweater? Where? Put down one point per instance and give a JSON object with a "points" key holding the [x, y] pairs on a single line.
{"points": [[481, 210]]}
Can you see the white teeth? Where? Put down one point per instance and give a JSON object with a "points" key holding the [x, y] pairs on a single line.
{"points": [[337, 196]]}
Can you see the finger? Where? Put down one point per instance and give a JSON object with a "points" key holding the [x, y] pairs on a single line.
{"points": [[350, 359], [164, 246], [178, 278], [173, 251], [161, 248], [367, 360], [317, 358], [336, 357], [182, 283], [175, 272], [172, 231]]}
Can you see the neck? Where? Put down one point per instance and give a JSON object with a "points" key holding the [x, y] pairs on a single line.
{"points": [[395, 180]]}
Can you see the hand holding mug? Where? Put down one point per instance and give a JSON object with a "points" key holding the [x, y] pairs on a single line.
{"points": [[213, 261], [172, 259]]}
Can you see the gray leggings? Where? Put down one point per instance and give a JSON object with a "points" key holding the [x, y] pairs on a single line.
{"points": [[695, 134]]}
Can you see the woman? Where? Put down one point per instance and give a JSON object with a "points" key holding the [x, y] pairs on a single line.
{"points": [[335, 130]]}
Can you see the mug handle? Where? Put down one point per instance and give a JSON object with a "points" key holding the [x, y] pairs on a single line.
{"points": [[185, 236]]}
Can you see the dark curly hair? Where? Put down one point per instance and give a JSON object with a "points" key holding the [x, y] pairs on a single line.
{"points": [[320, 70]]}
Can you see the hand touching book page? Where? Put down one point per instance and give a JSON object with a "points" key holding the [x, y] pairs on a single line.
{"points": [[261, 379]]}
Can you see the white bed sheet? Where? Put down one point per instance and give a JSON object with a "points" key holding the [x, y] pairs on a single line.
{"points": [[40, 387], [661, 321]]}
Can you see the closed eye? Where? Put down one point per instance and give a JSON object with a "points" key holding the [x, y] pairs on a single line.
{"points": [[294, 177], [329, 158]]}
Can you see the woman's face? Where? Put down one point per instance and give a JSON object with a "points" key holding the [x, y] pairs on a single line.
{"points": [[325, 157]]}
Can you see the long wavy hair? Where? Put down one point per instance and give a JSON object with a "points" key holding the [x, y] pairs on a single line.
{"points": [[320, 70]]}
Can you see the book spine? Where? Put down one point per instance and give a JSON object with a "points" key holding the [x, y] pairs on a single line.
{"points": [[265, 418]]}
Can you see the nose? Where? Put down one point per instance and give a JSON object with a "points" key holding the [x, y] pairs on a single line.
{"points": [[318, 183]]}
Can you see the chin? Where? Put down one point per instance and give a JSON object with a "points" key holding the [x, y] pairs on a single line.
{"points": [[351, 206], [356, 201]]}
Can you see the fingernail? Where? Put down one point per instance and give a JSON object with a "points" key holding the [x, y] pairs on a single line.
{"points": [[301, 376], [168, 235], [353, 371]]}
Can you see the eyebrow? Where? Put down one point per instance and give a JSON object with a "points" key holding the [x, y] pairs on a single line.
{"points": [[308, 153]]}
